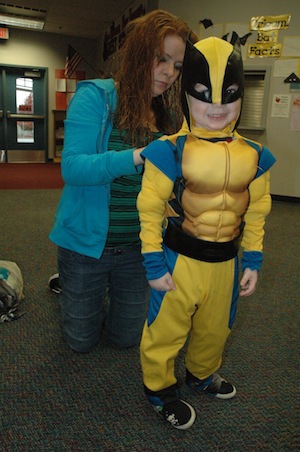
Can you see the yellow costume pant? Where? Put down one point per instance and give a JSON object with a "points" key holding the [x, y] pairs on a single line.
{"points": [[202, 307]]}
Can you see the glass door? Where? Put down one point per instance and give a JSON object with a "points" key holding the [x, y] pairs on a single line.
{"points": [[23, 115]]}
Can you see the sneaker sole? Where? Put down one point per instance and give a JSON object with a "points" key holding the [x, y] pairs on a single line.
{"points": [[184, 426], [224, 396], [191, 421], [54, 289], [57, 291]]}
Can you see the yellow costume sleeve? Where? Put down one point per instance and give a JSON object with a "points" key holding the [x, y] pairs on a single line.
{"points": [[151, 203], [259, 207]]}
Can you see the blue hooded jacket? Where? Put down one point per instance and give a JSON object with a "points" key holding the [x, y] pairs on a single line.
{"points": [[82, 218]]}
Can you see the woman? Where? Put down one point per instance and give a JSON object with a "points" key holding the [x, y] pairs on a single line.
{"points": [[97, 225]]}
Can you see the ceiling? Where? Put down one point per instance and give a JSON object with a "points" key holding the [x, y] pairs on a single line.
{"points": [[82, 18]]}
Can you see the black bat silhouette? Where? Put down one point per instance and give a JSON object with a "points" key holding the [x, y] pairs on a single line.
{"points": [[206, 23]]}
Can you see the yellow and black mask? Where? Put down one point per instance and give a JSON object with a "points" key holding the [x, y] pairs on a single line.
{"points": [[217, 64]]}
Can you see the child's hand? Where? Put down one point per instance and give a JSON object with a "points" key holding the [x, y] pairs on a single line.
{"points": [[164, 283], [248, 282]]}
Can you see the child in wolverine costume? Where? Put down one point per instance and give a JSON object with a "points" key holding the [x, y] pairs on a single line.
{"points": [[205, 192]]}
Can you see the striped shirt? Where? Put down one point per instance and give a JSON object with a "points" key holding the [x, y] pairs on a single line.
{"points": [[124, 223]]}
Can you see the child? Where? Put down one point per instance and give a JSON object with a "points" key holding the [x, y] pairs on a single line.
{"points": [[205, 190]]}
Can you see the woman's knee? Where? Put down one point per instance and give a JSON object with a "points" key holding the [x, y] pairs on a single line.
{"points": [[81, 345]]}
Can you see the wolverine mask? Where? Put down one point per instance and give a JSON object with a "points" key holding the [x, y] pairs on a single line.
{"points": [[216, 64]]}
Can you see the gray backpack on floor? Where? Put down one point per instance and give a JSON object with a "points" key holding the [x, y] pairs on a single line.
{"points": [[11, 291]]}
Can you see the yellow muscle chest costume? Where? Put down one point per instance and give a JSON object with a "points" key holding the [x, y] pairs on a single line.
{"points": [[216, 193]]}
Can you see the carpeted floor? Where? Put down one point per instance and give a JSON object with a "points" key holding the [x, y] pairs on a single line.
{"points": [[55, 400], [30, 176]]}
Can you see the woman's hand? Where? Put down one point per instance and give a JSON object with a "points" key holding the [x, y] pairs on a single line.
{"points": [[137, 159]]}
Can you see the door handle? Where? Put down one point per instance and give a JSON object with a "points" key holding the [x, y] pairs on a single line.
{"points": [[18, 116]]}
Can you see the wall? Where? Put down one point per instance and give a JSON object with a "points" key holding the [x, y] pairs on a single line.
{"points": [[28, 48], [284, 143], [49, 50]]}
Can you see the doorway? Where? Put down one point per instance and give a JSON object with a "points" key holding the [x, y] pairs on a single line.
{"points": [[23, 114]]}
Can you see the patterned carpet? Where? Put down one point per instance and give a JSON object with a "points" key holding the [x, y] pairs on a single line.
{"points": [[55, 400]]}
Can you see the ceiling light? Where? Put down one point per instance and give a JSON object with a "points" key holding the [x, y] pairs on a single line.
{"points": [[21, 22]]}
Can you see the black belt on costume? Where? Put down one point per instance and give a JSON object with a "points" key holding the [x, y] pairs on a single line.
{"points": [[202, 250]]}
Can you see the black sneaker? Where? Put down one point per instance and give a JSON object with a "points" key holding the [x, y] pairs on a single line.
{"points": [[54, 283], [214, 385], [179, 413]]}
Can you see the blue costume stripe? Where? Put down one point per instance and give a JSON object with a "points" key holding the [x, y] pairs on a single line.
{"points": [[235, 294], [155, 304], [158, 296], [165, 156], [252, 260], [155, 264], [266, 158]]}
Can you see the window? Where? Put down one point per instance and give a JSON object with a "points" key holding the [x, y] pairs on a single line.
{"points": [[255, 103], [24, 95], [25, 132], [24, 100]]}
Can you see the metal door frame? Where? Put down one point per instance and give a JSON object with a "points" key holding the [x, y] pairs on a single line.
{"points": [[31, 69]]}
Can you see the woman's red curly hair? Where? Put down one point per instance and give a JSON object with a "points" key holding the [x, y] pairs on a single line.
{"points": [[145, 38]]}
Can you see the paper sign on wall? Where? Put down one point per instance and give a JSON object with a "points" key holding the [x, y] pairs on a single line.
{"points": [[267, 27], [295, 120], [266, 23], [281, 105]]}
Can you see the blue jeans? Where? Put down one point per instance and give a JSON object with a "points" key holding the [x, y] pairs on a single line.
{"points": [[87, 281]]}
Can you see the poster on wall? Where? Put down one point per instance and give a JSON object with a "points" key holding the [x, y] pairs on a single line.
{"points": [[285, 66], [291, 46], [281, 105], [114, 35], [267, 27], [65, 88], [295, 119]]}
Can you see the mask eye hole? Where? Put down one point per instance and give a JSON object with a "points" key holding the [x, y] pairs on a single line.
{"points": [[202, 89], [232, 89]]}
